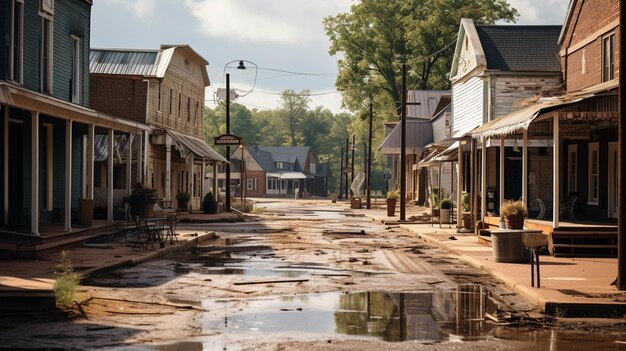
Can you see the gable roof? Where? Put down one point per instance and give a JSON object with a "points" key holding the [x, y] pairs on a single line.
{"points": [[147, 63], [267, 156], [566, 23], [428, 99], [520, 48]]}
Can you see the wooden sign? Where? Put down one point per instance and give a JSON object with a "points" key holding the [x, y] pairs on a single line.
{"points": [[228, 139]]}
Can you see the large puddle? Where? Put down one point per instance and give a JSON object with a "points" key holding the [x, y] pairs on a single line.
{"points": [[427, 317]]}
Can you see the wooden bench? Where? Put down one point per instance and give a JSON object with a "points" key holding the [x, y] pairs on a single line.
{"points": [[20, 240]]}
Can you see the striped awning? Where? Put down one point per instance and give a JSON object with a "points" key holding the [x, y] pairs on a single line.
{"points": [[188, 144]]}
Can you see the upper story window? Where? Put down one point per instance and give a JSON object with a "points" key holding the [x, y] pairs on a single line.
{"points": [[171, 93], [159, 99], [608, 58], [188, 109], [279, 165], [76, 83], [180, 99], [16, 44], [46, 6], [45, 54]]}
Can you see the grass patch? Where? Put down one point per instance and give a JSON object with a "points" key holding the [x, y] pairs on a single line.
{"points": [[67, 281]]}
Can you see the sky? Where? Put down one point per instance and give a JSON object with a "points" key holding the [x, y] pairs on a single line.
{"points": [[282, 42]]}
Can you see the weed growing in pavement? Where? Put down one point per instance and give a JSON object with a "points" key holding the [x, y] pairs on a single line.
{"points": [[257, 210], [67, 281], [560, 312]]}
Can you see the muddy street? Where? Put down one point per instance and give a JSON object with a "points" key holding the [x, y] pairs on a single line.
{"points": [[304, 275]]}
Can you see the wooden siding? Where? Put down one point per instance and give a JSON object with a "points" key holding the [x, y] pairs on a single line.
{"points": [[71, 18], [508, 90], [467, 104], [441, 129], [185, 79]]}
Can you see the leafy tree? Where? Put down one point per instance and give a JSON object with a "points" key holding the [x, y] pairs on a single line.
{"points": [[376, 37], [293, 111]]}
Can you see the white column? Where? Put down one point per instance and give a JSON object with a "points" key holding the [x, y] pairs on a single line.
{"points": [[110, 145], [146, 156], [34, 195], [6, 163], [68, 175], [555, 172], [525, 169], [139, 158], [191, 184], [501, 169], [90, 160], [129, 162], [202, 182], [459, 186], [168, 168], [483, 178]]}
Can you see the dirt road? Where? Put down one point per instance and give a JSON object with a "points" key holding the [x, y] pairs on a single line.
{"points": [[303, 275]]}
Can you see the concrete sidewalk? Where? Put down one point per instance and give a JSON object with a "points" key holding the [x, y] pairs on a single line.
{"points": [[569, 286]]}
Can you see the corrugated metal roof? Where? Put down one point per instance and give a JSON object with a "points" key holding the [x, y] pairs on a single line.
{"points": [[124, 62], [418, 135]]}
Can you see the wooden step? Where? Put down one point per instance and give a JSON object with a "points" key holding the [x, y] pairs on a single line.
{"points": [[58, 245]]}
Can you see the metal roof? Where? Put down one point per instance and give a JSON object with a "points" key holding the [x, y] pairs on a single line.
{"points": [[418, 135], [124, 62], [428, 99]]}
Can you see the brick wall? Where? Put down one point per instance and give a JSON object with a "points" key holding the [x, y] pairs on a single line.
{"points": [[590, 22], [119, 96]]}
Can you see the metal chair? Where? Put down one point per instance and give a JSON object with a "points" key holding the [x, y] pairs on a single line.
{"points": [[567, 208]]}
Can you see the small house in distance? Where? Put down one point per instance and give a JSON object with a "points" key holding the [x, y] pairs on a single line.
{"points": [[277, 171]]}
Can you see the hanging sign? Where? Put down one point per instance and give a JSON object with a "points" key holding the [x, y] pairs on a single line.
{"points": [[228, 139]]}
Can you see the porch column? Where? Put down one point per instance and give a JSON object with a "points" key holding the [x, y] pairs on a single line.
{"points": [[139, 174], [215, 188], [5, 109], [473, 186], [483, 179], [90, 159], [191, 184], [146, 156], [202, 184], [129, 167], [168, 167], [502, 150], [459, 186], [555, 171], [525, 169], [34, 185], [68, 175], [110, 176]]}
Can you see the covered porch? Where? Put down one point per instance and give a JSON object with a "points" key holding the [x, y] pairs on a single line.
{"points": [[565, 151]]}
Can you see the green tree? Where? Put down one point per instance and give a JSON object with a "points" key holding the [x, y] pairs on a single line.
{"points": [[376, 37], [293, 110]]}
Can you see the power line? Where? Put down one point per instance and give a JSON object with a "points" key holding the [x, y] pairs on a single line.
{"points": [[309, 94]]}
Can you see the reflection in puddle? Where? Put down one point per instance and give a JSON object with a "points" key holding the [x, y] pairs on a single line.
{"points": [[254, 272], [427, 317]]}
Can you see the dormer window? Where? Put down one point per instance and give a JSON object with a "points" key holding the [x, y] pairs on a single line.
{"points": [[279, 165]]}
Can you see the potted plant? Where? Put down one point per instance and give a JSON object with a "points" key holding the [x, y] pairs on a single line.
{"points": [[513, 213], [209, 205], [141, 201], [183, 199], [445, 206], [392, 198], [333, 197], [466, 200]]}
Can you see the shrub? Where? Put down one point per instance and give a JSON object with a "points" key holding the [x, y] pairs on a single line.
{"points": [[513, 208], [209, 205], [434, 197], [446, 204], [466, 201], [393, 195], [182, 196], [66, 282]]}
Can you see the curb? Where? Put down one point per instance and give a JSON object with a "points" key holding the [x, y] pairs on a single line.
{"points": [[187, 245]]}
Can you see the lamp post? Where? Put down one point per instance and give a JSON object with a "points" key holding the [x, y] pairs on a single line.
{"points": [[241, 66], [403, 148]]}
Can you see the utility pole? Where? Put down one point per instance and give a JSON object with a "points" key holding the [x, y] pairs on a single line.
{"points": [[341, 176], [228, 146], [621, 192], [403, 147], [368, 172], [352, 166], [346, 173]]}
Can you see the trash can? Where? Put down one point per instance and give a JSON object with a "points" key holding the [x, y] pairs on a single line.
{"points": [[508, 246], [86, 211], [355, 202]]}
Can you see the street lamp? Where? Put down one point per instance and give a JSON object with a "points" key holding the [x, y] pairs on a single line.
{"points": [[241, 66]]}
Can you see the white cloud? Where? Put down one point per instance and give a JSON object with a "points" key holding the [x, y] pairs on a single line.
{"points": [[540, 11], [299, 21]]}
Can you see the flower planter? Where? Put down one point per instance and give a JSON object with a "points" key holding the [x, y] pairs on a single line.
{"points": [[514, 222], [445, 215]]}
